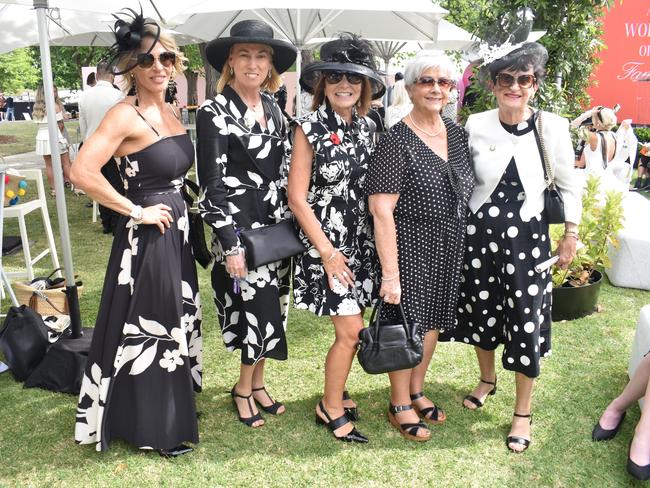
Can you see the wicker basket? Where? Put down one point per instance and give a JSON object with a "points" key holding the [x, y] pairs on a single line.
{"points": [[25, 293]]}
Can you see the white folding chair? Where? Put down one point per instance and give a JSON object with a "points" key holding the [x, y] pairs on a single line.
{"points": [[19, 211]]}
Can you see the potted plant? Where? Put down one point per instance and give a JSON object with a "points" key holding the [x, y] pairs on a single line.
{"points": [[576, 289]]}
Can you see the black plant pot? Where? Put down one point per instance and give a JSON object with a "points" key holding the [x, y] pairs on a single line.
{"points": [[571, 302]]}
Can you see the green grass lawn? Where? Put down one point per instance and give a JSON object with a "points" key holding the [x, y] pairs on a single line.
{"points": [[22, 136], [587, 369]]}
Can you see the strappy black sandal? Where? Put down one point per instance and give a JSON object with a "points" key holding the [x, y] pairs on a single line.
{"points": [[515, 439], [476, 401], [175, 451], [273, 408], [249, 421], [408, 430], [430, 415], [351, 412], [353, 436]]}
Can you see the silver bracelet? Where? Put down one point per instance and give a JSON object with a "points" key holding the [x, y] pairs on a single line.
{"points": [[390, 278], [233, 251]]}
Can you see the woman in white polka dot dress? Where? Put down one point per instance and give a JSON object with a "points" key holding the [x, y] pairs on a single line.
{"points": [[419, 182], [503, 299]]}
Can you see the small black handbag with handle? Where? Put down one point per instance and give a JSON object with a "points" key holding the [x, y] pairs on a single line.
{"points": [[386, 345], [23, 341], [197, 231], [553, 201]]}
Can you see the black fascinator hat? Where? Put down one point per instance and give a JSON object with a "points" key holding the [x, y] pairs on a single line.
{"points": [[251, 32], [130, 29], [350, 54]]}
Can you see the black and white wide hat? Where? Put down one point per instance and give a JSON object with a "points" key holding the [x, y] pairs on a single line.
{"points": [[251, 32], [350, 54]]}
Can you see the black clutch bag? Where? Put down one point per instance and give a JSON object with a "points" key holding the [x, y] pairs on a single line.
{"points": [[270, 243], [553, 201], [197, 231], [23, 340], [385, 346]]}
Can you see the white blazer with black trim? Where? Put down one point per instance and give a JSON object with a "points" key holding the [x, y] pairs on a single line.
{"points": [[492, 148]]}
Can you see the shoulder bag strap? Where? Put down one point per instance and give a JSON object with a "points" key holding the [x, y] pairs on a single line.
{"points": [[548, 174]]}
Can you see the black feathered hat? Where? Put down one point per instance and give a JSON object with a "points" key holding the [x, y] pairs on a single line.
{"points": [[129, 31], [350, 54], [251, 32]]}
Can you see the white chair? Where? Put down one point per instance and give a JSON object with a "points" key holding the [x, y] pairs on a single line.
{"points": [[19, 211]]}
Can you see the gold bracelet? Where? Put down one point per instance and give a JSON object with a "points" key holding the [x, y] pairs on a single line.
{"points": [[571, 233]]}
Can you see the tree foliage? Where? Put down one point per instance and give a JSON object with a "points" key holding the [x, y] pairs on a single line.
{"points": [[68, 61], [573, 39], [18, 71]]}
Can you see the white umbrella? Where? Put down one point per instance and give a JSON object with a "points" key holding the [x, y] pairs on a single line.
{"points": [[300, 23]]}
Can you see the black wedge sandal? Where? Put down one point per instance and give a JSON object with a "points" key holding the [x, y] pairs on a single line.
{"points": [[408, 430], [249, 421], [476, 401], [351, 412], [353, 436], [273, 408], [515, 439], [430, 415]]}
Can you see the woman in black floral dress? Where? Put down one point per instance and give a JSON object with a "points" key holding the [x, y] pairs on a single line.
{"points": [[241, 150], [336, 274], [144, 362]]}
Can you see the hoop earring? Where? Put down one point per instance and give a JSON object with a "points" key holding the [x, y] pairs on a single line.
{"points": [[232, 71]]}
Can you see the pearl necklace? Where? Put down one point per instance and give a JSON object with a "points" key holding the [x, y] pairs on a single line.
{"points": [[430, 134]]}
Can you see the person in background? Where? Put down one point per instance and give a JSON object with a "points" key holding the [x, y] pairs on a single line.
{"points": [[625, 158], [390, 95], [3, 107], [401, 105], [91, 80], [643, 176], [43, 146], [9, 104], [94, 103]]}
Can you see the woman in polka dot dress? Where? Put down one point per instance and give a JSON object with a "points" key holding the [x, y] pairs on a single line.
{"points": [[503, 299], [419, 182]]}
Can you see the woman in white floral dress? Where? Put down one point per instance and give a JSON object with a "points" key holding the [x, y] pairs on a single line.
{"points": [[241, 151], [144, 363], [336, 274]]}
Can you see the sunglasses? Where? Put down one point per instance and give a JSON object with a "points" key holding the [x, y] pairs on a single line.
{"points": [[506, 80], [431, 81], [166, 58], [334, 77]]}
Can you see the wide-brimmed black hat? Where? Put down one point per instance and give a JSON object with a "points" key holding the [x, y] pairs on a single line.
{"points": [[350, 54], [251, 32]]}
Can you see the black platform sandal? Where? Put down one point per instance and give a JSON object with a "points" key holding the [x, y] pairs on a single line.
{"points": [[431, 415], [274, 407], [175, 451], [476, 401], [515, 439], [351, 412], [249, 421], [353, 436], [408, 430]]}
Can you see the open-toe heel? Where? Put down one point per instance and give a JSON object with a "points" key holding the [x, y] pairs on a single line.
{"points": [[274, 407], [333, 424], [515, 439], [408, 430], [431, 415], [476, 401], [249, 421], [351, 412]]}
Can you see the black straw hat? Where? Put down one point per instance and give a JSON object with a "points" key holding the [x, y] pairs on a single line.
{"points": [[350, 54], [251, 32]]}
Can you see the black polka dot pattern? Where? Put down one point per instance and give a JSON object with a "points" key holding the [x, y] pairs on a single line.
{"points": [[430, 219]]}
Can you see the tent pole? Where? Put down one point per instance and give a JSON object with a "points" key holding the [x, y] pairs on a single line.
{"points": [[53, 132]]}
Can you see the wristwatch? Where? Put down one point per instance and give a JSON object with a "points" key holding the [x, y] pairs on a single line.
{"points": [[136, 214]]}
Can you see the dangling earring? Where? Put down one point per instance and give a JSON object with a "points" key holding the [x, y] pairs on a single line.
{"points": [[133, 85], [269, 77], [232, 71]]}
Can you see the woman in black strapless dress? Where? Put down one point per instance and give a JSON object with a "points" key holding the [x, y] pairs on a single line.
{"points": [[144, 363]]}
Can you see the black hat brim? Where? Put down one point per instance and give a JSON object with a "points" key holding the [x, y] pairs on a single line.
{"points": [[310, 75], [284, 53]]}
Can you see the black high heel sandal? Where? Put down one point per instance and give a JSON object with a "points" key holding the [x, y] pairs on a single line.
{"points": [[600, 434], [274, 407], [642, 473], [476, 401], [353, 436], [249, 421], [431, 415], [515, 439], [408, 430], [175, 451], [351, 412]]}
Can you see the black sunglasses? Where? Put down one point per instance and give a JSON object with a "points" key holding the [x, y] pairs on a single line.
{"points": [[431, 81], [334, 77], [506, 80], [166, 58]]}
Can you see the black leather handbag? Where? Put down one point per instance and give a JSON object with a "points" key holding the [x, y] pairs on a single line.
{"points": [[23, 340], [197, 232], [385, 346], [270, 243], [553, 201]]}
